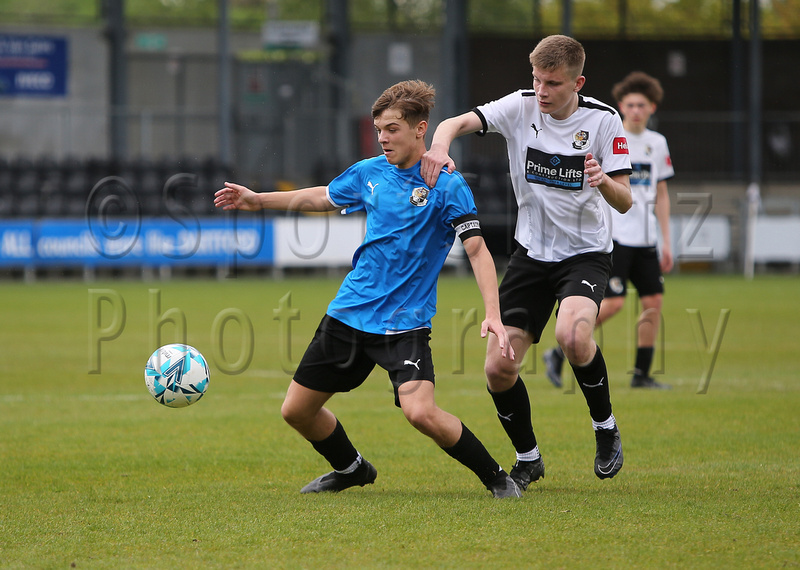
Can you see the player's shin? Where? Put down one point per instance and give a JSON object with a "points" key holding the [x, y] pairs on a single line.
{"points": [[593, 380], [471, 453], [337, 449], [514, 412]]}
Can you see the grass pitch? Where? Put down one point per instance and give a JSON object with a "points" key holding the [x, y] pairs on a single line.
{"points": [[95, 474]]}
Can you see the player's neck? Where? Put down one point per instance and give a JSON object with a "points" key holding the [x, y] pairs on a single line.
{"points": [[633, 129], [410, 162], [412, 158], [567, 111]]}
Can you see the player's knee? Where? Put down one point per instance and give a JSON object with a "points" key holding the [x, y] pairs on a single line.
{"points": [[421, 417], [499, 371], [652, 303], [288, 414], [611, 306], [293, 415], [577, 350]]}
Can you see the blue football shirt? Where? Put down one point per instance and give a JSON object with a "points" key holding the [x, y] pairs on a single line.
{"points": [[409, 232]]}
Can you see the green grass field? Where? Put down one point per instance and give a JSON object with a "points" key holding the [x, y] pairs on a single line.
{"points": [[95, 474]]}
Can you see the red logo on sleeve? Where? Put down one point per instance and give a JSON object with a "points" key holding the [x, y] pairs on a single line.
{"points": [[620, 145]]}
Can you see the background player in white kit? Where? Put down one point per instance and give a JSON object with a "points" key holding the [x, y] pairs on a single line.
{"points": [[569, 165], [636, 257]]}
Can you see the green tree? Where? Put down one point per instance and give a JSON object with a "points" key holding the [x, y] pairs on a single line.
{"points": [[525, 18]]}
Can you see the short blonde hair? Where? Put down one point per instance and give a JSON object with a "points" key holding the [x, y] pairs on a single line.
{"points": [[557, 51]]}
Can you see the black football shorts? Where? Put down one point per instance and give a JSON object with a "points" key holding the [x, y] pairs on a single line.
{"points": [[339, 357], [640, 265], [530, 288]]}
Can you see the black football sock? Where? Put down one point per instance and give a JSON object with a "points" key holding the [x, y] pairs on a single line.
{"points": [[514, 412], [593, 380], [471, 453], [337, 449], [644, 359]]}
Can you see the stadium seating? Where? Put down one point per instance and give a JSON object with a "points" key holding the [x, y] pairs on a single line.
{"points": [[68, 188], [184, 186]]}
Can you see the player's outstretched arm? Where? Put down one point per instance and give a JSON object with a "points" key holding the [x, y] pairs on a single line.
{"points": [[486, 276], [437, 157], [238, 197]]}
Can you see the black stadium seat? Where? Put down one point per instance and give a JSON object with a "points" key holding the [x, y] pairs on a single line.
{"points": [[46, 187]]}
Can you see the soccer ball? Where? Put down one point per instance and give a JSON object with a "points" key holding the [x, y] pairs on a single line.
{"points": [[176, 375]]}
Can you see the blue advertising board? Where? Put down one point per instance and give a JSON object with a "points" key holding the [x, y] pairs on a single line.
{"points": [[33, 66], [136, 242], [16, 243]]}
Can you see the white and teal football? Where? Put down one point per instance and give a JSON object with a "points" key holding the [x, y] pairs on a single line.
{"points": [[176, 375]]}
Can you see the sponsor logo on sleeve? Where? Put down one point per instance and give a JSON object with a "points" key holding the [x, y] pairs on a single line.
{"points": [[620, 145]]}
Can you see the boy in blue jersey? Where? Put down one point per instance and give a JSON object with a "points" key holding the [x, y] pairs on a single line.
{"points": [[383, 310]]}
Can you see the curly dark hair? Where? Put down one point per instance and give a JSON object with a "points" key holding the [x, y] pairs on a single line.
{"points": [[639, 82]]}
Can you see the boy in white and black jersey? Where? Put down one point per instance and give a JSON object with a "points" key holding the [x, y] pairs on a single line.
{"points": [[636, 255], [569, 166]]}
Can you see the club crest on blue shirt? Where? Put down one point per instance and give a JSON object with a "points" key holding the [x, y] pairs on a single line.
{"points": [[419, 196], [581, 140]]}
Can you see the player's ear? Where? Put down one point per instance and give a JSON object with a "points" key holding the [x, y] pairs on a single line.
{"points": [[579, 83], [422, 128]]}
